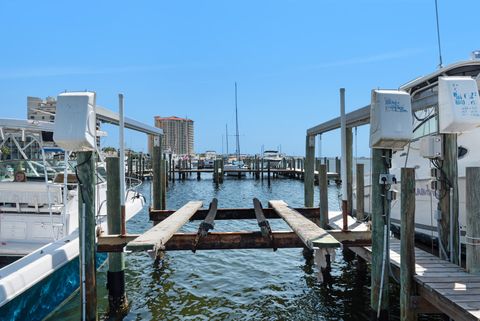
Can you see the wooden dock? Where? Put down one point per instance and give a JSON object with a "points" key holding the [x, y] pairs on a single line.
{"points": [[165, 235], [443, 287], [293, 173]]}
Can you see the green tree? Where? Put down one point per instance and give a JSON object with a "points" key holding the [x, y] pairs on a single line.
{"points": [[4, 152]]}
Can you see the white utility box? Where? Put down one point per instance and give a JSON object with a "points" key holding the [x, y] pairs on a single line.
{"points": [[458, 104], [431, 147], [390, 119], [75, 121]]}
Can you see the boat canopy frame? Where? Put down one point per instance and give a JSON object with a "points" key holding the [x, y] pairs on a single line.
{"points": [[422, 90]]}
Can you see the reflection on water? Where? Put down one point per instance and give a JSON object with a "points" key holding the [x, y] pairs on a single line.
{"points": [[236, 284]]}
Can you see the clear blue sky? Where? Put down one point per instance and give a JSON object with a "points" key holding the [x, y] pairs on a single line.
{"points": [[182, 58]]}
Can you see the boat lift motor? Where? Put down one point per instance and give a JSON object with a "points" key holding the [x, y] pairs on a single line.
{"points": [[458, 104], [75, 121], [390, 119]]}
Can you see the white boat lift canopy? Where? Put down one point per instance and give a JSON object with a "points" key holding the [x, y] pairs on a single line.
{"points": [[420, 89], [103, 115]]}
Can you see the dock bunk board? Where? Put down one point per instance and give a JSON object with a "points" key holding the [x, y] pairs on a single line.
{"points": [[156, 237], [310, 233]]}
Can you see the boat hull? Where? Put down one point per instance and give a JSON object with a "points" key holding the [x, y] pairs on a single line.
{"points": [[45, 296]]}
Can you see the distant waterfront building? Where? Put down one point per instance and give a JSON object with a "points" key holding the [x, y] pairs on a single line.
{"points": [[41, 109], [177, 135]]}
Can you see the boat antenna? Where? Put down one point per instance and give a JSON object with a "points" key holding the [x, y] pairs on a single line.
{"points": [[440, 65], [236, 124]]}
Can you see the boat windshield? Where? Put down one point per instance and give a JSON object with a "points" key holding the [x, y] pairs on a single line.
{"points": [[34, 170], [29, 169]]}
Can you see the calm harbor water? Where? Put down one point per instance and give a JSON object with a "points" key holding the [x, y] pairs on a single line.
{"points": [[237, 284]]}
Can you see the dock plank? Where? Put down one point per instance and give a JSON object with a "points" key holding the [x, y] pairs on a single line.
{"points": [[447, 286], [156, 237], [310, 233]]}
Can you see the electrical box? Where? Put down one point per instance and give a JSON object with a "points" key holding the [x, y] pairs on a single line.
{"points": [[390, 119], [458, 104], [431, 147], [75, 121]]}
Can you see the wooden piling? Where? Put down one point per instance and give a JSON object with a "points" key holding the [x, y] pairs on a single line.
{"points": [[85, 171], [140, 167], [129, 164], [157, 174], [349, 163], [170, 167], [449, 228], [166, 170], [268, 172], [216, 168], [163, 180], [407, 245], [117, 298], [360, 191], [379, 289], [323, 187], [309, 173], [222, 171], [338, 167], [261, 169], [184, 166], [473, 218]]}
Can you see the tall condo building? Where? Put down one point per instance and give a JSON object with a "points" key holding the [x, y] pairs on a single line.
{"points": [[177, 134]]}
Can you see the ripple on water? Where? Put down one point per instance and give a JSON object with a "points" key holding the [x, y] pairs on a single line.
{"points": [[236, 284]]}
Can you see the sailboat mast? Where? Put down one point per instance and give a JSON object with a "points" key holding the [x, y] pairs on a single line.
{"points": [[236, 124]]}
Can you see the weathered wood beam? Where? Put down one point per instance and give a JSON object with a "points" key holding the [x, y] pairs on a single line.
{"points": [[407, 248], [360, 191], [323, 188], [233, 240], [473, 216], [86, 192], [305, 229], [308, 180], [156, 237], [235, 213], [379, 283]]}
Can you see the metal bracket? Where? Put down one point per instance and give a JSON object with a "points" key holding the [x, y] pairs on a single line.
{"points": [[206, 225], [263, 223]]}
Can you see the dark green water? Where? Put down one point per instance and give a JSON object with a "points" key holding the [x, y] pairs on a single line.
{"points": [[237, 284]]}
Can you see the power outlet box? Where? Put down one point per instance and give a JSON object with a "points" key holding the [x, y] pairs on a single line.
{"points": [[431, 147], [387, 179]]}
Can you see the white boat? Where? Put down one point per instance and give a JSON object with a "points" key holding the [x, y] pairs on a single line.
{"points": [[272, 157], [424, 98], [39, 220], [235, 165]]}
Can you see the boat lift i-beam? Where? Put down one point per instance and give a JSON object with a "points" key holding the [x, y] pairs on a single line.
{"points": [[110, 117]]}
